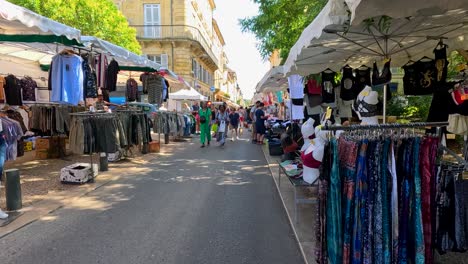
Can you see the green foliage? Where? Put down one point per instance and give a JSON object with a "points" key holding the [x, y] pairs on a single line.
{"points": [[454, 59], [410, 107], [280, 23], [99, 18]]}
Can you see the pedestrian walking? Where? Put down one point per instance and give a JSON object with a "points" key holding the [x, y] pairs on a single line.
{"points": [[234, 119], [253, 117], [242, 120], [260, 123], [204, 116], [222, 118]]}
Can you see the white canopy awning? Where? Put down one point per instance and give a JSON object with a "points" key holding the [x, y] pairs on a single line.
{"points": [[400, 30], [189, 95], [273, 81], [22, 25], [121, 55]]}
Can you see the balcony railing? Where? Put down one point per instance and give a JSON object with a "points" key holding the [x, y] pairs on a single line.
{"points": [[175, 32]]}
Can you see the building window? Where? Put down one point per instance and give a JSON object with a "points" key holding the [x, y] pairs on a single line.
{"points": [[152, 16], [201, 73], [155, 58]]}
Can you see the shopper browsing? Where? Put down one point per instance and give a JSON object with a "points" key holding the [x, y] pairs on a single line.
{"points": [[260, 123], [234, 119]]}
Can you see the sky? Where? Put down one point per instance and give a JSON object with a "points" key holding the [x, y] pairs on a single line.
{"points": [[240, 48]]}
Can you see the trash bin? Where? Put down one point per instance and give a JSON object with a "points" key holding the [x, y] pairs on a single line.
{"points": [[13, 190]]}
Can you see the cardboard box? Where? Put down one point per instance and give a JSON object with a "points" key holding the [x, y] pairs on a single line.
{"points": [[42, 143], [42, 154], [154, 147]]}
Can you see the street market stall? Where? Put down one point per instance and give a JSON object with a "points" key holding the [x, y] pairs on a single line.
{"points": [[395, 209]]}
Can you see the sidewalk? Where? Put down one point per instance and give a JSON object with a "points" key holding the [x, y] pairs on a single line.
{"points": [[304, 229], [36, 206]]}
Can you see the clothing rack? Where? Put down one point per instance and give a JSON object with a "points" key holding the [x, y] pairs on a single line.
{"points": [[133, 112], [443, 148], [385, 126], [90, 115]]}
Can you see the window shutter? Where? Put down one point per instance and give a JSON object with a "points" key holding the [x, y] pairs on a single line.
{"points": [[165, 61]]}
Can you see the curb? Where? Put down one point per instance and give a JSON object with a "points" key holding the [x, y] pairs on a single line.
{"points": [[291, 222]]}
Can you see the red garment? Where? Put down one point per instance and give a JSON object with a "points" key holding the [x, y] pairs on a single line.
{"points": [[314, 87], [291, 148], [309, 160]]}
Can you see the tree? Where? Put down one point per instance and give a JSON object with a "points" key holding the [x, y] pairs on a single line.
{"points": [[280, 23], [98, 18]]}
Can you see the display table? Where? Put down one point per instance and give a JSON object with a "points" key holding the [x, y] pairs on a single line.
{"points": [[291, 171]]}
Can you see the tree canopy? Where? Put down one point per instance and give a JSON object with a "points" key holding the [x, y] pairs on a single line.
{"points": [[99, 18], [280, 23]]}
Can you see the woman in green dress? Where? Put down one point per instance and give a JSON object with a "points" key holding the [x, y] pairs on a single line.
{"points": [[205, 117]]}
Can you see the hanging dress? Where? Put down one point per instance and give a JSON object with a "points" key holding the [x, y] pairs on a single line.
{"points": [[347, 84], [360, 209], [334, 221], [416, 207]]}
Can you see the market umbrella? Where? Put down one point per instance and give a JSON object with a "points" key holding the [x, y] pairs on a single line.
{"points": [[402, 31], [324, 44], [273, 81]]}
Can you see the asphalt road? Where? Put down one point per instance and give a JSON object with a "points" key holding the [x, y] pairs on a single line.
{"points": [[212, 205]]}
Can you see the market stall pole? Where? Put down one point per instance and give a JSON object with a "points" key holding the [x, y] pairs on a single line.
{"points": [[13, 190]]}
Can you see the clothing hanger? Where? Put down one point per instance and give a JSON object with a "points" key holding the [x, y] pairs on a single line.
{"points": [[328, 70], [363, 67], [347, 66], [408, 63], [425, 58]]}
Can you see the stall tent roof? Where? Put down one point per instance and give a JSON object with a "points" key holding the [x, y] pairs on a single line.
{"points": [[123, 56], [18, 24], [191, 95], [353, 34], [273, 81]]}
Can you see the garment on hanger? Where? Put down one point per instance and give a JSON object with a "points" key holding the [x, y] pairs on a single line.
{"points": [[347, 84], [439, 109], [296, 86], [111, 76], [362, 78], [2, 89], [381, 78], [13, 90], [155, 86], [131, 90], [377, 189], [328, 87], [66, 78], [452, 232], [420, 77], [441, 63], [28, 87], [314, 85], [90, 79]]}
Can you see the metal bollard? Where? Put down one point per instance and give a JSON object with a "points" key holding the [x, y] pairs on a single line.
{"points": [[13, 190], [103, 162], [166, 138]]}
